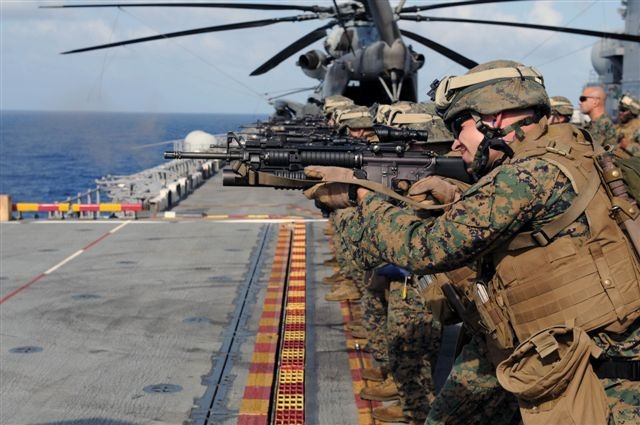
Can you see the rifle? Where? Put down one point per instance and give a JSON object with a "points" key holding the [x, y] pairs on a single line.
{"points": [[267, 130], [279, 161]]}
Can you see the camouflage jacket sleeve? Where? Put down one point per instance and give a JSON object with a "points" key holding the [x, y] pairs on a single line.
{"points": [[633, 149], [515, 197]]}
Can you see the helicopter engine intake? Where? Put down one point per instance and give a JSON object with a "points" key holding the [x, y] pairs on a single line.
{"points": [[313, 64]]}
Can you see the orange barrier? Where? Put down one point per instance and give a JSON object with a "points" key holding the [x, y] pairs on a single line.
{"points": [[106, 207], [33, 207], [63, 208]]}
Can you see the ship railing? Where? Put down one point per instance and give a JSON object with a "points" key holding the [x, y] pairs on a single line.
{"points": [[120, 196]]}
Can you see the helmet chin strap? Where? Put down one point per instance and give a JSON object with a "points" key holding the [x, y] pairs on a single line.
{"points": [[493, 139]]}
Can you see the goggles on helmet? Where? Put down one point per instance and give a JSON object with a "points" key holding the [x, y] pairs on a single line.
{"points": [[450, 86], [628, 103]]}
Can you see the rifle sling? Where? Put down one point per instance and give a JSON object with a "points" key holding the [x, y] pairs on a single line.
{"points": [[268, 179], [543, 236]]}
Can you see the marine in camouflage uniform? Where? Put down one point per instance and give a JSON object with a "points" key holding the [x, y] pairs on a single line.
{"points": [[401, 335], [356, 119], [494, 122], [561, 110], [601, 128], [628, 126], [374, 304], [413, 338]]}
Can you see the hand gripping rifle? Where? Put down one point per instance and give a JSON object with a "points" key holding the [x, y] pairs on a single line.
{"points": [[279, 161]]}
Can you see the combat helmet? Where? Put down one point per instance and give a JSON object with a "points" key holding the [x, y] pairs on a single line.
{"points": [[332, 103], [629, 103], [487, 89], [560, 105], [354, 117]]}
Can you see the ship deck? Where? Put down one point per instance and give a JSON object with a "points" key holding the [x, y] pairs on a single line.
{"points": [[212, 316]]}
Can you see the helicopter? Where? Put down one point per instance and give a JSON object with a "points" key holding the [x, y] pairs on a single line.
{"points": [[365, 57]]}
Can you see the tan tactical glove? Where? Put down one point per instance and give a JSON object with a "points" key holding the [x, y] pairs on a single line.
{"points": [[331, 195], [436, 188]]}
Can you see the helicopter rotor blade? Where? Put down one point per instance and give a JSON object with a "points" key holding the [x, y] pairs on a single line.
{"points": [[253, 6], [418, 8], [294, 47], [226, 27], [444, 51], [601, 34]]}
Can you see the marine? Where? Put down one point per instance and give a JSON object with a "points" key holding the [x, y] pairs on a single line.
{"points": [[628, 127], [592, 103], [561, 110], [526, 176]]}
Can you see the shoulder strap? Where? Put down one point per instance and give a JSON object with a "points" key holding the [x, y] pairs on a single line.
{"points": [[543, 236]]}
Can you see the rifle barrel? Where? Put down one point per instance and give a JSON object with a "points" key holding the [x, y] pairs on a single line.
{"points": [[202, 155]]}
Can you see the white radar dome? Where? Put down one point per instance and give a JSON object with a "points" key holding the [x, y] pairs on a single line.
{"points": [[602, 51]]}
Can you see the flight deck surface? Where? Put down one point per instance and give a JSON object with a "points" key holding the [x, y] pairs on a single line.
{"points": [[164, 320]]}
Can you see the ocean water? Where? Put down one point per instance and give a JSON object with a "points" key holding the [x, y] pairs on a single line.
{"points": [[49, 156]]}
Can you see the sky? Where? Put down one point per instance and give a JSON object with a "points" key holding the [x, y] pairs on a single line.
{"points": [[209, 73]]}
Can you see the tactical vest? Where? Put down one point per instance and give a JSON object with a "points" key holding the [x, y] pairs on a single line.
{"points": [[589, 282]]}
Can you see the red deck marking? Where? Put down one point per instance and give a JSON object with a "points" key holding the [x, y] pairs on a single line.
{"points": [[357, 361], [60, 264], [288, 401], [254, 409], [289, 407]]}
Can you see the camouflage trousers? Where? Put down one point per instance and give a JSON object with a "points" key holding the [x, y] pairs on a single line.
{"points": [[374, 320], [413, 345], [346, 263], [623, 394], [472, 394]]}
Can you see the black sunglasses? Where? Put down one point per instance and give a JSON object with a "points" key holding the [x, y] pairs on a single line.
{"points": [[583, 98], [456, 124]]}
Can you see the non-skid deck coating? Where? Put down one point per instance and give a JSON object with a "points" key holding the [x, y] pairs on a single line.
{"points": [[101, 320]]}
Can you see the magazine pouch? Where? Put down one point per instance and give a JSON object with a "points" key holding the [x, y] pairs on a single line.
{"points": [[551, 375]]}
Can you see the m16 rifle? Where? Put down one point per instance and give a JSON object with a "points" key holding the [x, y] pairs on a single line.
{"points": [[302, 126], [279, 161]]}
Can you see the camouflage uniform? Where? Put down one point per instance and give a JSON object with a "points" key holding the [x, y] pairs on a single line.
{"points": [[526, 193], [602, 130], [516, 196], [400, 331], [412, 336], [472, 394], [629, 130], [414, 343], [374, 304]]}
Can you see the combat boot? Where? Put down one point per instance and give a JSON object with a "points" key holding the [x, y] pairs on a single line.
{"points": [[390, 413], [344, 284], [330, 262], [384, 391], [343, 293], [337, 277], [355, 323], [376, 374], [359, 332]]}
